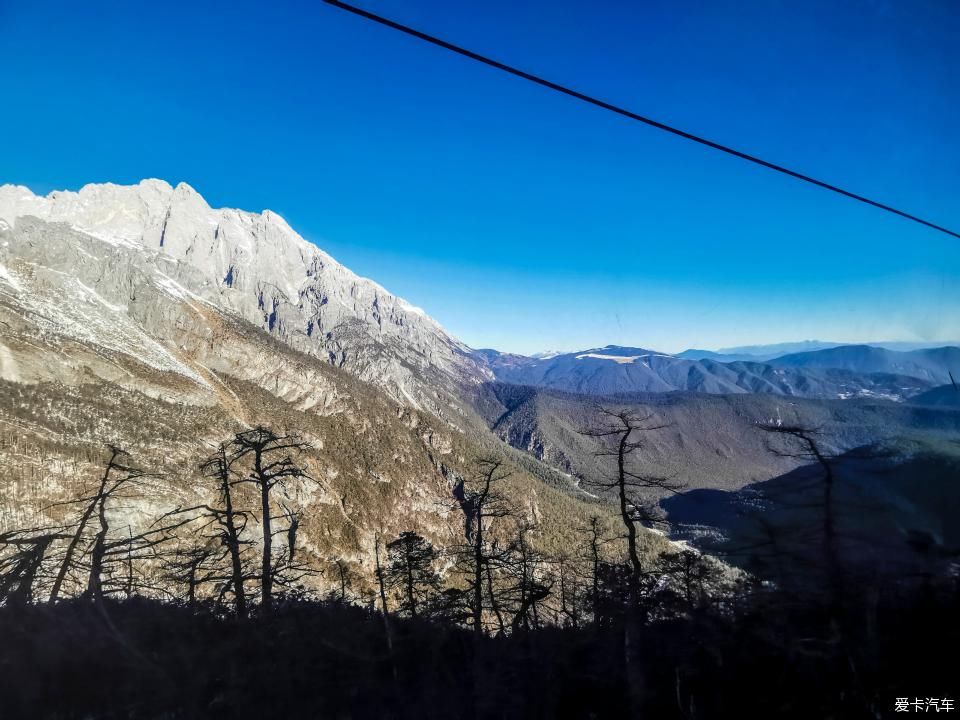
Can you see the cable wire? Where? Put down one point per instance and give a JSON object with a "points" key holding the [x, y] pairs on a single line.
{"points": [[629, 113]]}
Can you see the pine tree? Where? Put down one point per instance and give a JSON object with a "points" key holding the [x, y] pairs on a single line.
{"points": [[410, 571]]}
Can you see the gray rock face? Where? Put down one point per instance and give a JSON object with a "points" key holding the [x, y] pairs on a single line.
{"points": [[152, 236]]}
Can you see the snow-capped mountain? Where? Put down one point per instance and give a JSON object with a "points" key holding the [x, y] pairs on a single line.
{"points": [[83, 262]]}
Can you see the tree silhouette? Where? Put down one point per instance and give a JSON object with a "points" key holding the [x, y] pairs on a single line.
{"points": [[111, 547], [272, 465], [232, 522], [482, 503], [692, 574], [344, 579], [623, 431], [92, 503], [625, 428], [20, 569], [531, 587], [593, 557], [805, 443], [410, 571]]}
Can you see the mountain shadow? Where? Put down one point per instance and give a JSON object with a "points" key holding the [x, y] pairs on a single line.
{"points": [[893, 513]]}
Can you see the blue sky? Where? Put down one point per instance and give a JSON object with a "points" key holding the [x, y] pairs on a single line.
{"points": [[519, 218]]}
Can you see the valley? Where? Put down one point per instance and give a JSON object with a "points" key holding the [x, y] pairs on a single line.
{"points": [[138, 323]]}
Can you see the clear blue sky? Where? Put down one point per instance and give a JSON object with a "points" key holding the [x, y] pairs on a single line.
{"points": [[519, 218]]}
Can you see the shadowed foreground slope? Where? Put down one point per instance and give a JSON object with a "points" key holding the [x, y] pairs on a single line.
{"points": [[752, 656]]}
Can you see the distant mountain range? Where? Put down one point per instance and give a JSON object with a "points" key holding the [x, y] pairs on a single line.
{"points": [[762, 353], [759, 353], [932, 364], [836, 372], [720, 356]]}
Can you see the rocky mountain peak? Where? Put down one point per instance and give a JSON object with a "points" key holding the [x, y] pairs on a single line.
{"points": [[253, 265]]}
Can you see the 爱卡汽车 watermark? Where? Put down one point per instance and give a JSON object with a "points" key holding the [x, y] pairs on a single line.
{"points": [[924, 705]]}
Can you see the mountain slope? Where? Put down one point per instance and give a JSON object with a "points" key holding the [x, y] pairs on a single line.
{"points": [[765, 352], [943, 396], [711, 441], [894, 514]]}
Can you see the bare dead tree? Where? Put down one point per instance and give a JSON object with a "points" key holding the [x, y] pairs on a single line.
{"points": [[528, 567], [124, 483], [194, 567], [293, 518], [120, 481], [271, 465], [90, 507], [20, 568], [568, 576], [204, 558], [232, 522], [626, 428], [98, 558], [378, 571], [482, 503], [802, 443], [622, 433], [288, 570], [382, 588], [592, 556], [343, 578], [128, 552]]}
